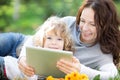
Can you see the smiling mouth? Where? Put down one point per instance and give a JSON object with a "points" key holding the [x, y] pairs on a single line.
{"points": [[87, 34]]}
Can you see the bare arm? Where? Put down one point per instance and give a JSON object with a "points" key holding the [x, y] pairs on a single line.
{"points": [[106, 71]]}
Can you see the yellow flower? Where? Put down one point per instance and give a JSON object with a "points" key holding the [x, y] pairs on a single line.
{"points": [[72, 76], [50, 78], [84, 77], [68, 77], [75, 75], [59, 78]]}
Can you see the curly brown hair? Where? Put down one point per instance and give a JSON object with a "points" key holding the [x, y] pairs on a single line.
{"points": [[107, 23]]}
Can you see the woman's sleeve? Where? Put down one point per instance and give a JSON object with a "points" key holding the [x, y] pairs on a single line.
{"points": [[106, 71]]}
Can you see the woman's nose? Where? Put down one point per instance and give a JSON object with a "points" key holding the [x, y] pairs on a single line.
{"points": [[85, 27]]}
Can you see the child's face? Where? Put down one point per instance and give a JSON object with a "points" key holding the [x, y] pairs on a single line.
{"points": [[54, 42]]}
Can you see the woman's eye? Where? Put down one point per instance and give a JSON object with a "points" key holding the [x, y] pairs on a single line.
{"points": [[82, 21], [92, 24]]}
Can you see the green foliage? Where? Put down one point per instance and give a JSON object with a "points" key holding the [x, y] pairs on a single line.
{"points": [[96, 77], [32, 13], [118, 6], [115, 78], [4, 2]]}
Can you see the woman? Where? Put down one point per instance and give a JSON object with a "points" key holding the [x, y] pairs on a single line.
{"points": [[96, 35]]}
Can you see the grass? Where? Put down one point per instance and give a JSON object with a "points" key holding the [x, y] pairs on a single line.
{"points": [[115, 78]]}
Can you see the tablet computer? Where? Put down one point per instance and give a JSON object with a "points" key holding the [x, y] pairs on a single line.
{"points": [[44, 60]]}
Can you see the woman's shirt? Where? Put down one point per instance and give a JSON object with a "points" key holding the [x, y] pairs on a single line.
{"points": [[93, 60]]}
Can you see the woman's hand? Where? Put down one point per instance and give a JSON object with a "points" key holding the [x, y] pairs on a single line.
{"points": [[69, 66], [27, 70]]}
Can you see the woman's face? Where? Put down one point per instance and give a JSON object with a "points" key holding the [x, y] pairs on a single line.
{"points": [[54, 42], [87, 26]]}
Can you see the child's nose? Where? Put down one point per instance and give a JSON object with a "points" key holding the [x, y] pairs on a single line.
{"points": [[53, 42]]}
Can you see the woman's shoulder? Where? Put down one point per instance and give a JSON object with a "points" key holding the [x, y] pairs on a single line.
{"points": [[69, 20], [69, 17]]}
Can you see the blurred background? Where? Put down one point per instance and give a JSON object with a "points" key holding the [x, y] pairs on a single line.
{"points": [[26, 15]]}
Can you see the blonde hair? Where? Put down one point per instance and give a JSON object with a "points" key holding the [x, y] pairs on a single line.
{"points": [[56, 25]]}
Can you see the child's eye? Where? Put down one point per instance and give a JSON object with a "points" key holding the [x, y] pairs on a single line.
{"points": [[59, 39], [49, 38]]}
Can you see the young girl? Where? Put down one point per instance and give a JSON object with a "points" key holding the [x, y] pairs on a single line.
{"points": [[52, 34]]}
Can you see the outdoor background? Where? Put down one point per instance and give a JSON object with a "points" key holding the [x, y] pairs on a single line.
{"points": [[26, 15]]}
